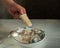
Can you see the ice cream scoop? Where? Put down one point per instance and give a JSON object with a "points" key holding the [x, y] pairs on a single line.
{"points": [[26, 20]]}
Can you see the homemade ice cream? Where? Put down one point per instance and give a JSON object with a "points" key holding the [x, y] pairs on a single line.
{"points": [[29, 35]]}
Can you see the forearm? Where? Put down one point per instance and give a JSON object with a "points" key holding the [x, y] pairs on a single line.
{"points": [[7, 3], [6, 0]]}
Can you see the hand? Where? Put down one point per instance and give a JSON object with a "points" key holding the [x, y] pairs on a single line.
{"points": [[14, 9]]}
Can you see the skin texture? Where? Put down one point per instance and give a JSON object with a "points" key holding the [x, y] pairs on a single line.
{"points": [[13, 8]]}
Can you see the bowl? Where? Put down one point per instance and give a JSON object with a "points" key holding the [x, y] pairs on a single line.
{"points": [[29, 45]]}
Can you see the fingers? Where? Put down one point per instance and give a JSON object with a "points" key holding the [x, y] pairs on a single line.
{"points": [[13, 14], [16, 10], [23, 11], [20, 9]]}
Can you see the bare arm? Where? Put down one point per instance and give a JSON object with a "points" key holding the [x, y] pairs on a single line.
{"points": [[13, 8]]}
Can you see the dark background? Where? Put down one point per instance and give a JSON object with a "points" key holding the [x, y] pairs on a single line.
{"points": [[43, 9], [36, 9]]}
